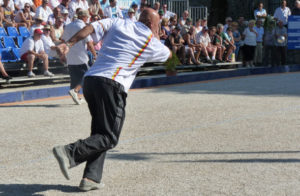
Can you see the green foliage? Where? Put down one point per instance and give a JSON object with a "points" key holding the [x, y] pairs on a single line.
{"points": [[172, 63], [270, 23]]}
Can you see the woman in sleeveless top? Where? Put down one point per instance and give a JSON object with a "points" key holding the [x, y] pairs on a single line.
{"points": [[8, 16], [165, 29], [191, 48], [95, 9], [23, 16]]}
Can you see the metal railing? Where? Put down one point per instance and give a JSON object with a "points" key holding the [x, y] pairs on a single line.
{"points": [[198, 13]]}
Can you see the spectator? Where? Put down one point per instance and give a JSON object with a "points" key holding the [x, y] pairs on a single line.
{"points": [[156, 6], [104, 4], [259, 42], [57, 30], [74, 4], [280, 42], [113, 11], [228, 42], [237, 38], [38, 24], [260, 13], [49, 45], [204, 22], [173, 23], [23, 16], [218, 41], [192, 47], [131, 15], [269, 43], [176, 43], [44, 11], [296, 10], [65, 16], [184, 17], [77, 58], [242, 24], [198, 26], [214, 38], [94, 18], [207, 48], [64, 5], [8, 19], [161, 15], [142, 7], [19, 4], [186, 27], [134, 6], [228, 22], [37, 3], [54, 15], [11, 5], [282, 13], [167, 13], [54, 3], [95, 8], [165, 29], [4, 75], [249, 36], [33, 49]]}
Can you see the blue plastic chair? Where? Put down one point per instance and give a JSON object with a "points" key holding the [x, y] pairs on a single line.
{"points": [[24, 32], [20, 41], [9, 42], [7, 55], [2, 32], [16, 52], [12, 31]]}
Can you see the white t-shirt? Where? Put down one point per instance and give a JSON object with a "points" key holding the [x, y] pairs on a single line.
{"points": [[43, 13], [126, 47], [48, 43], [78, 53], [21, 3], [77, 4], [168, 14], [250, 37], [203, 39], [258, 12], [282, 14], [30, 44], [115, 12]]}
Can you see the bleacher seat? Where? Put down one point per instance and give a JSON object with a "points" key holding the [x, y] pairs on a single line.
{"points": [[20, 41], [7, 55], [9, 42], [2, 32], [16, 52], [24, 32], [12, 31]]}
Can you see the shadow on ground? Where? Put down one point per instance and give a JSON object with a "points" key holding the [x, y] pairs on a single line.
{"points": [[38, 106], [33, 189]]}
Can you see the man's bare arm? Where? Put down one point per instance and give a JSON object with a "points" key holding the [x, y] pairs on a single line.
{"points": [[83, 33]]}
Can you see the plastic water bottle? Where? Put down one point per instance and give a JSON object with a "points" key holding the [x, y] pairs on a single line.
{"points": [[232, 57]]}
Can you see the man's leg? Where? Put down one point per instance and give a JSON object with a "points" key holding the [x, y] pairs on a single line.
{"points": [[30, 60], [44, 58]]}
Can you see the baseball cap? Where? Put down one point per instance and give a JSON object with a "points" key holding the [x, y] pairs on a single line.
{"points": [[47, 27], [38, 31], [161, 12]]}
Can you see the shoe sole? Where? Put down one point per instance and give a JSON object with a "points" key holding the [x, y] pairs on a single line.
{"points": [[62, 165], [90, 188]]}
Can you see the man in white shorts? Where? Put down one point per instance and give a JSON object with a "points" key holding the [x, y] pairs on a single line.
{"points": [[127, 45]]}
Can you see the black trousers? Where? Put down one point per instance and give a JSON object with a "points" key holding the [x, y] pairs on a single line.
{"points": [[76, 74], [269, 53], [248, 52], [281, 55], [106, 101]]}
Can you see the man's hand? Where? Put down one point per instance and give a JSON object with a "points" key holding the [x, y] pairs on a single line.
{"points": [[62, 50]]}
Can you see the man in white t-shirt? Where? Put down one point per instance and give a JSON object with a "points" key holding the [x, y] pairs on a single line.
{"points": [[77, 58], [282, 13], [126, 47], [113, 11], [167, 13], [44, 11], [32, 49], [207, 48], [48, 43], [260, 12]]}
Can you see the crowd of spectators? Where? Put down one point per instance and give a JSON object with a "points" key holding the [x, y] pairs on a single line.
{"points": [[194, 43]]}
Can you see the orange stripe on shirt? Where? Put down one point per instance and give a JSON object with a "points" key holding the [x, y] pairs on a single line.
{"points": [[141, 50], [116, 72]]}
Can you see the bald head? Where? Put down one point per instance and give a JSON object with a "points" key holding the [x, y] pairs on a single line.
{"points": [[151, 19]]}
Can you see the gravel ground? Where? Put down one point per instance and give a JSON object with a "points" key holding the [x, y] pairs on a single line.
{"points": [[225, 137]]}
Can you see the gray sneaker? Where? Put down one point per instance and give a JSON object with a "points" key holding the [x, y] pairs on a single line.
{"points": [[48, 73], [87, 185], [63, 160], [74, 96]]}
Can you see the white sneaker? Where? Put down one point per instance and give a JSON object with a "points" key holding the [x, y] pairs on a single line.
{"points": [[82, 100], [48, 73], [74, 96], [30, 74]]}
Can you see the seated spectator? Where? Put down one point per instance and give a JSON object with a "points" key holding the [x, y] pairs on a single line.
{"points": [[134, 6], [269, 43], [52, 17], [167, 13], [172, 23], [280, 42], [204, 22], [95, 9], [19, 4], [8, 18], [65, 16], [104, 3], [64, 5], [213, 41], [249, 37], [208, 49], [186, 27], [237, 38], [142, 7], [161, 15], [228, 42], [44, 11], [113, 11], [260, 13], [54, 3], [192, 48], [228, 22], [259, 42], [156, 6], [4, 75], [74, 4], [198, 26], [38, 24], [24, 16], [33, 49], [185, 16], [131, 15], [176, 44], [296, 9], [57, 30], [218, 42], [49, 45], [165, 29]]}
